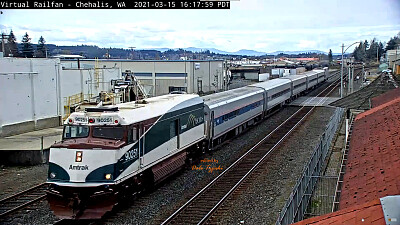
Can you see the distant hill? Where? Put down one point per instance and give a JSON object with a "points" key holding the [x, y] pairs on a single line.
{"points": [[297, 52], [214, 50], [92, 51], [244, 52]]}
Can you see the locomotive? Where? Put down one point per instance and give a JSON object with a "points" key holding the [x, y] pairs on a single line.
{"points": [[108, 152]]}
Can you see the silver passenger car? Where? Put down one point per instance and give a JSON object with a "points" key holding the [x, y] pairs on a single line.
{"points": [[321, 75], [298, 84], [228, 110], [312, 78], [276, 91]]}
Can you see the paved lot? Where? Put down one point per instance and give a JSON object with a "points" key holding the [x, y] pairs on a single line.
{"points": [[32, 140]]}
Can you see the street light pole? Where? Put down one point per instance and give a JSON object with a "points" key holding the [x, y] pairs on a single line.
{"points": [[341, 71]]}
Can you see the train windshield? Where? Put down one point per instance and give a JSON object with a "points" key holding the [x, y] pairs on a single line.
{"points": [[115, 133], [75, 131]]}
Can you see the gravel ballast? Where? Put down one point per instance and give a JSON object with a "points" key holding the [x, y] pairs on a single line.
{"points": [[263, 199]]}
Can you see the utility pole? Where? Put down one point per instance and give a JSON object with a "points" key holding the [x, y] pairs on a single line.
{"points": [[352, 79], [132, 50], [341, 75], [362, 75], [341, 71], [348, 80]]}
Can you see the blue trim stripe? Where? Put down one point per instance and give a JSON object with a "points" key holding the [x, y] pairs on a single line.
{"points": [[238, 112], [143, 74]]}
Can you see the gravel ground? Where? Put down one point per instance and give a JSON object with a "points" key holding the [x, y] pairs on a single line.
{"points": [[263, 199], [16, 179]]}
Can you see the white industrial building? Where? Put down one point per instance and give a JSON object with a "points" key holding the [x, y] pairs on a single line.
{"points": [[162, 77], [38, 93]]}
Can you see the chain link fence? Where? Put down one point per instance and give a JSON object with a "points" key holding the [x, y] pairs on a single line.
{"points": [[298, 202]]}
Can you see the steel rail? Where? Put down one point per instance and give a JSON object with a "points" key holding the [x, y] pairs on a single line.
{"points": [[13, 198]]}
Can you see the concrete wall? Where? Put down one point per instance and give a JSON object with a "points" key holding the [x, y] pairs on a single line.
{"points": [[28, 94], [24, 157]]}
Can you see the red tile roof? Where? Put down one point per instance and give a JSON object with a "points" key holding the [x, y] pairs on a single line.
{"points": [[373, 163], [367, 213], [373, 166], [386, 97]]}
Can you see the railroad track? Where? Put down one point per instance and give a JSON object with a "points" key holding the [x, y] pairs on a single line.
{"points": [[22, 199], [205, 203]]}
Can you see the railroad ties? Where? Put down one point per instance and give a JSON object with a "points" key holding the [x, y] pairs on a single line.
{"points": [[22, 199]]}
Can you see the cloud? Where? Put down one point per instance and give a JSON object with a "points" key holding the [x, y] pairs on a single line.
{"points": [[260, 25], [35, 29]]}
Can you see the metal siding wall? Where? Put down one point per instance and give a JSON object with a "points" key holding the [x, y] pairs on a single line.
{"points": [[163, 85], [207, 72]]}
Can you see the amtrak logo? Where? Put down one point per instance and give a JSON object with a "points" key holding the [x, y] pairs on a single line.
{"points": [[85, 167], [193, 121]]}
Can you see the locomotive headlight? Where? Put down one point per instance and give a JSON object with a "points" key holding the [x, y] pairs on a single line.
{"points": [[108, 176], [52, 175], [78, 156]]}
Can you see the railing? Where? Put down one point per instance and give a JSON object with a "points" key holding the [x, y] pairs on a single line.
{"points": [[299, 199], [140, 87], [73, 101]]}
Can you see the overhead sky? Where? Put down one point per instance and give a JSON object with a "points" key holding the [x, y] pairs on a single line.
{"points": [[260, 25]]}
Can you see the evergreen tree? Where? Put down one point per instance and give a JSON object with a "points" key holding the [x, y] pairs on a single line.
{"points": [[359, 52], [41, 48], [371, 52], [330, 57], [11, 49], [393, 42], [364, 51], [27, 49], [381, 50]]}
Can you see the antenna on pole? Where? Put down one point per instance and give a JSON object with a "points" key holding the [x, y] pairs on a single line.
{"points": [[132, 50]]}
